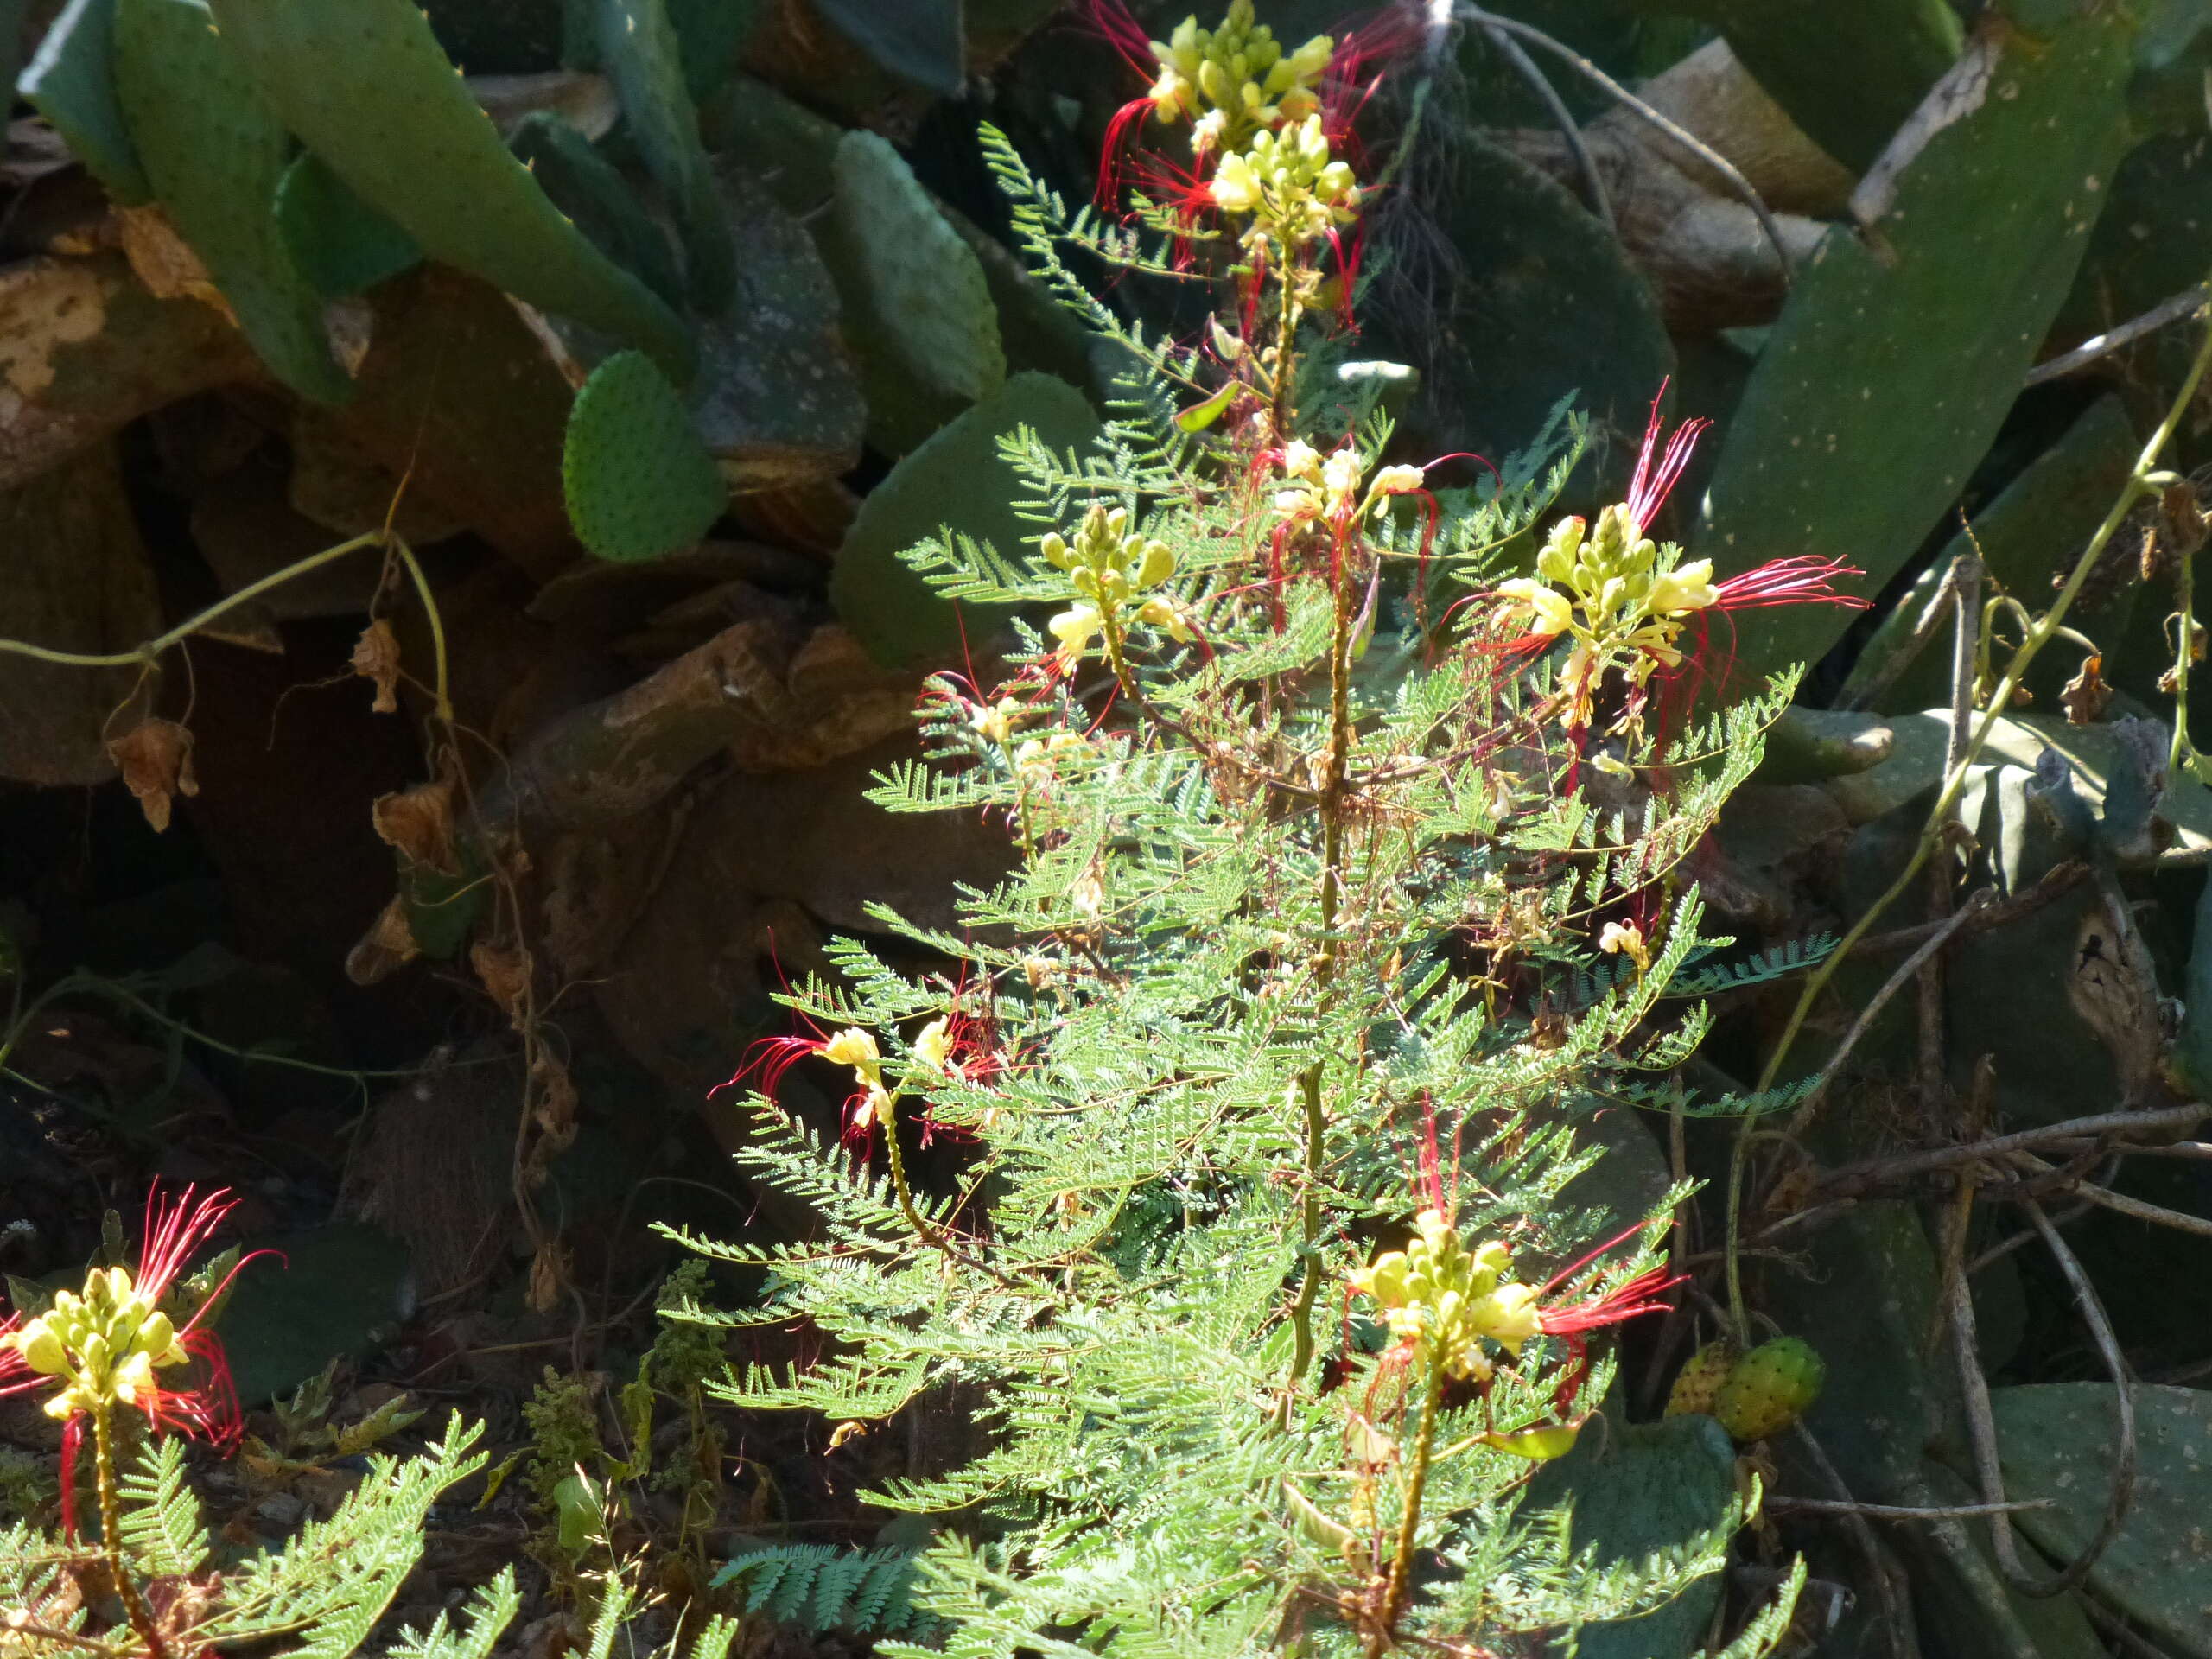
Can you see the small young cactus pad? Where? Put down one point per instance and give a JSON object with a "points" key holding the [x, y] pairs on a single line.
{"points": [[1770, 1388], [638, 481], [1697, 1385]]}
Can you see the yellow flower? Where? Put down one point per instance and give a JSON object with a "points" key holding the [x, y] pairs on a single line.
{"points": [[1550, 611], [1235, 187], [1626, 939], [1689, 588], [1075, 628], [933, 1046], [856, 1048]]}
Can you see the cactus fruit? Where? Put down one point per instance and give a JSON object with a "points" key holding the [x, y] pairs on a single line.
{"points": [[638, 481], [1769, 1389], [1697, 1385]]}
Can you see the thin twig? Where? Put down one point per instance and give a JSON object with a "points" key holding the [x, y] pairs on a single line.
{"points": [[1896, 982], [2000, 699], [2057, 881], [1585, 164], [1493, 24], [2199, 1149], [1896, 1620], [2166, 311], [1853, 1179], [1925, 629], [1904, 1511], [2120, 1202]]}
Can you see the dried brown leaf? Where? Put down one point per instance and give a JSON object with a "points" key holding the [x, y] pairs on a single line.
{"points": [[387, 946], [2085, 697], [549, 1277], [376, 658], [419, 823], [155, 758], [505, 971]]}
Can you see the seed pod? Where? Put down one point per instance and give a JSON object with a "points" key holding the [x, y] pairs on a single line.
{"points": [[1770, 1389], [1698, 1383]]}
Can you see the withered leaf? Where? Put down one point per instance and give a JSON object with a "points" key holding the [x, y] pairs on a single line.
{"points": [[2085, 697], [376, 658], [549, 1277], [505, 971], [387, 946], [419, 823], [155, 758]]}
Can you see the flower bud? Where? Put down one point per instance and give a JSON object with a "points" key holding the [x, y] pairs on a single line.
{"points": [[41, 1349]]}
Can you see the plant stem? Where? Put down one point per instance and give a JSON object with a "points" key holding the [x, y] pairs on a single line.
{"points": [[2044, 629], [153, 648], [1324, 965], [1380, 1639], [141, 1616]]}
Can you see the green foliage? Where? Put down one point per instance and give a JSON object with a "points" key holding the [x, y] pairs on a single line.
{"points": [[640, 50], [1301, 939], [1903, 346], [960, 472], [820, 1587], [71, 81], [322, 1590], [214, 152], [390, 117], [637, 479], [341, 244]]}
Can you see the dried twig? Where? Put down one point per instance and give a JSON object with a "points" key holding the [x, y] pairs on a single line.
{"points": [[1982, 1428], [2120, 1202], [2166, 311], [1896, 982], [2057, 881], [1494, 25], [1858, 1178], [1585, 164], [1897, 1622], [1904, 1511]]}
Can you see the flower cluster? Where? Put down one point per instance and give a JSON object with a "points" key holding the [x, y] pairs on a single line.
{"points": [[1445, 1299], [1233, 81], [105, 1346], [1290, 184], [1108, 568], [1325, 489]]}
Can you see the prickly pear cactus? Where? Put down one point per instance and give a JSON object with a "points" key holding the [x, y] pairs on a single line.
{"points": [[1769, 1389], [1904, 342], [638, 481], [598, 200], [71, 81], [340, 244], [917, 306], [640, 50], [214, 152], [393, 120], [956, 477], [1697, 1385]]}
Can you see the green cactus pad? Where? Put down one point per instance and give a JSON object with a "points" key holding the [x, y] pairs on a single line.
{"points": [[640, 51], [709, 33], [1901, 349], [957, 477], [71, 81], [918, 305], [214, 153], [365, 85], [598, 200], [2054, 1442], [340, 244], [1769, 1389], [638, 482], [1697, 1385]]}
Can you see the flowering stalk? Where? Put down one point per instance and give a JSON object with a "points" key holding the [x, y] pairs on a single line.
{"points": [[102, 1350]]}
